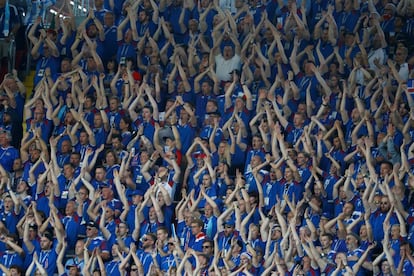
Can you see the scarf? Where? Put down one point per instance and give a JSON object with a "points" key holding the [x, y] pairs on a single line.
{"points": [[6, 19]]}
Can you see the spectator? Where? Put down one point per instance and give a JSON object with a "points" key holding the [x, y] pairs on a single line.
{"points": [[292, 166]]}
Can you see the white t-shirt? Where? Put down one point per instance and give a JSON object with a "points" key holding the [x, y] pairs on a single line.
{"points": [[225, 67], [404, 71], [376, 54]]}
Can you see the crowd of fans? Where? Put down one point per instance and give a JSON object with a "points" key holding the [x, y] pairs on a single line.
{"points": [[223, 137]]}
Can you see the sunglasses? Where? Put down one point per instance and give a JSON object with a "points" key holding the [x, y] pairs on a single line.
{"points": [[207, 246], [134, 269], [170, 243]]}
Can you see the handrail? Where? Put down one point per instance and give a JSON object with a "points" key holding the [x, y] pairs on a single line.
{"points": [[12, 54], [28, 56]]}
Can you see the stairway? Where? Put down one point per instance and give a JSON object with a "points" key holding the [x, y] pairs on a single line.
{"points": [[28, 83]]}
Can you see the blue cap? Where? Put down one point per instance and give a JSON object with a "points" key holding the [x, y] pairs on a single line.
{"points": [[247, 255], [137, 192], [104, 184], [92, 224], [230, 222]]}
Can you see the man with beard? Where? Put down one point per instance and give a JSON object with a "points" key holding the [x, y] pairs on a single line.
{"points": [[355, 253], [148, 248], [48, 252], [226, 231], [94, 240], [90, 30], [167, 260], [377, 218]]}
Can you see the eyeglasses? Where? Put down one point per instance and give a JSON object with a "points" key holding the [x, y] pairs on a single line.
{"points": [[171, 243], [144, 239]]}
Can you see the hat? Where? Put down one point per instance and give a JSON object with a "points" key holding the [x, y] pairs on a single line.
{"points": [[92, 224], [390, 6], [230, 222], [199, 154], [71, 265], [104, 184], [137, 192], [277, 227], [214, 113], [261, 155], [33, 226], [241, 96], [247, 255]]}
